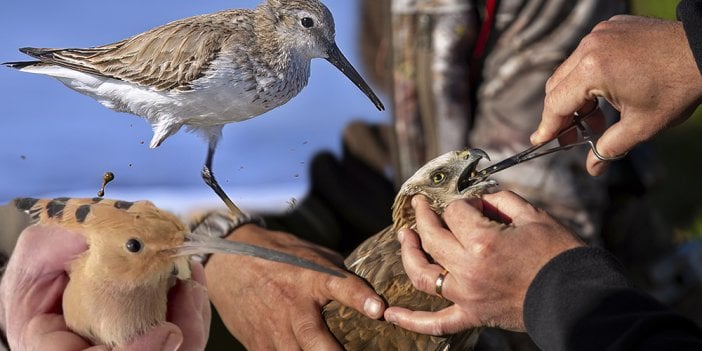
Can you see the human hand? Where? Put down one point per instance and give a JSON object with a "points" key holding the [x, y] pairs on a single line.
{"points": [[268, 305], [644, 67], [31, 295], [490, 264]]}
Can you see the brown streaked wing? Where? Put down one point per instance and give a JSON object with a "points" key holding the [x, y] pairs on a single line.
{"points": [[382, 268], [166, 57]]}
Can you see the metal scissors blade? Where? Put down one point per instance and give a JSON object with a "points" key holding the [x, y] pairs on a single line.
{"points": [[588, 137]]}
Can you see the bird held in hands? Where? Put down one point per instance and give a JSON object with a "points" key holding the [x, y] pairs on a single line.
{"points": [[378, 261], [118, 288], [204, 71]]}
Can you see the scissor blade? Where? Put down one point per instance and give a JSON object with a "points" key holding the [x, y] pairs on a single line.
{"points": [[490, 170]]}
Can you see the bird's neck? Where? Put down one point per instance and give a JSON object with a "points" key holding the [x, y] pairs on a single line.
{"points": [[402, 213], [113, 312]]}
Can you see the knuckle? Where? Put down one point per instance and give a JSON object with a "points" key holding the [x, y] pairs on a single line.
{"points": [[603, 25], [483, 246], [549, 84], [593, 41], [592, 62], [618, 18], [551, 101], [306, 332], [438, 329], [423, 281]]}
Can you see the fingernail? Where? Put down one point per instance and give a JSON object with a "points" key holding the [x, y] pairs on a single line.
{"points": [[172, 342], [372, 307], [391, 317], [534, 137]]}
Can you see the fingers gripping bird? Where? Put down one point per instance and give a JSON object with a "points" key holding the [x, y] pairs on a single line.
{"points": [[441, 180], [118, 287], [205, 71]]}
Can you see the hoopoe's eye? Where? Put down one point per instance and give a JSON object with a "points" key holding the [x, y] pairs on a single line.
{"points": [[134, 245], [438, 177], [307, 22]]}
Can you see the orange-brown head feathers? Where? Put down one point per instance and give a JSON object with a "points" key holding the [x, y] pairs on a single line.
{"points": [[130, 241]]}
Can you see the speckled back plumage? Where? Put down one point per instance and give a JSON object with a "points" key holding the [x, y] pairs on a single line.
{"points": [[378, 261]]}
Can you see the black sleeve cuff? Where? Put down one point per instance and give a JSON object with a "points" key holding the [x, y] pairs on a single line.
{"points": [[690, 14], [581, 300], [564, 290]]}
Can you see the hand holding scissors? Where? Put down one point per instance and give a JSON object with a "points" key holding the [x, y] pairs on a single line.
{"points": [[585, 136]]}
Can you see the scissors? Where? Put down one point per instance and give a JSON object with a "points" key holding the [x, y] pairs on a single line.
{"points": [[588, 137]]}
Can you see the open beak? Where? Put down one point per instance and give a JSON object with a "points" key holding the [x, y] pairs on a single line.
{"points": [[466, 180], [336, 58]]}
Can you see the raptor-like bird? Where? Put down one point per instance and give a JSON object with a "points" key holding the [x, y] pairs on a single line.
{"points": [[441, 180]]}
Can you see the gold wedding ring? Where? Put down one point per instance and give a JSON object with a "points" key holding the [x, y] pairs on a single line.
{"points": [[439, 284]]}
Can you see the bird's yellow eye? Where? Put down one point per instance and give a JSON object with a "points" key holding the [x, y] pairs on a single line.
{"points": [[134, 245], [438, 177]]}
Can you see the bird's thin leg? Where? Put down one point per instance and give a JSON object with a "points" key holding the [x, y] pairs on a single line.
{"points": [[209, 178]]}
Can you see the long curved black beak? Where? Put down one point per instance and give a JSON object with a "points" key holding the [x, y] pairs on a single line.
{"points": [[336, 58]]}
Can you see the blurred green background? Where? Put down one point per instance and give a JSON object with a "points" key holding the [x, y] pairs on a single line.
{"points": [[676, 194]]}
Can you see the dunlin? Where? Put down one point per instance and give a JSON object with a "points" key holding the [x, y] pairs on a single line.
{"points": [[205, 71]]}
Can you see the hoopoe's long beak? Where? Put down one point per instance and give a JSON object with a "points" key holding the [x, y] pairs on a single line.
{"points": [[202, 244]]}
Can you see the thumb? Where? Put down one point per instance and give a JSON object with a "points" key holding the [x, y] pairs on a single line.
{"points": [[164, 337], [450, 320], [353, 292]]}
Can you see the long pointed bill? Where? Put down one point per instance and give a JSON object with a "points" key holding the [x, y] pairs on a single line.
{"points": [[200, 244], [338, 59]]}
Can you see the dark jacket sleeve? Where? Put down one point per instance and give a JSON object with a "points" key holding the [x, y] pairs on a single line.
{"points": [[690, 14], [581, 300]]}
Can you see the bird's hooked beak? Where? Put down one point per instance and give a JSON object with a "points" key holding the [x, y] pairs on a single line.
{"points": [[465, 183], [338, 59], [196, 244]]}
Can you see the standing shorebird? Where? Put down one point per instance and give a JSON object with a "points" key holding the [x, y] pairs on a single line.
{"points": [[378, 261], [205, 71]]}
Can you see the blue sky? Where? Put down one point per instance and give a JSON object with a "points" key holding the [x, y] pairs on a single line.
{"points": [[58, 142]]}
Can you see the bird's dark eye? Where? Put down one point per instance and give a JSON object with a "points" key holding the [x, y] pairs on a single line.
{"points": [[134, 245], [307, 22], [438, 177]]}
